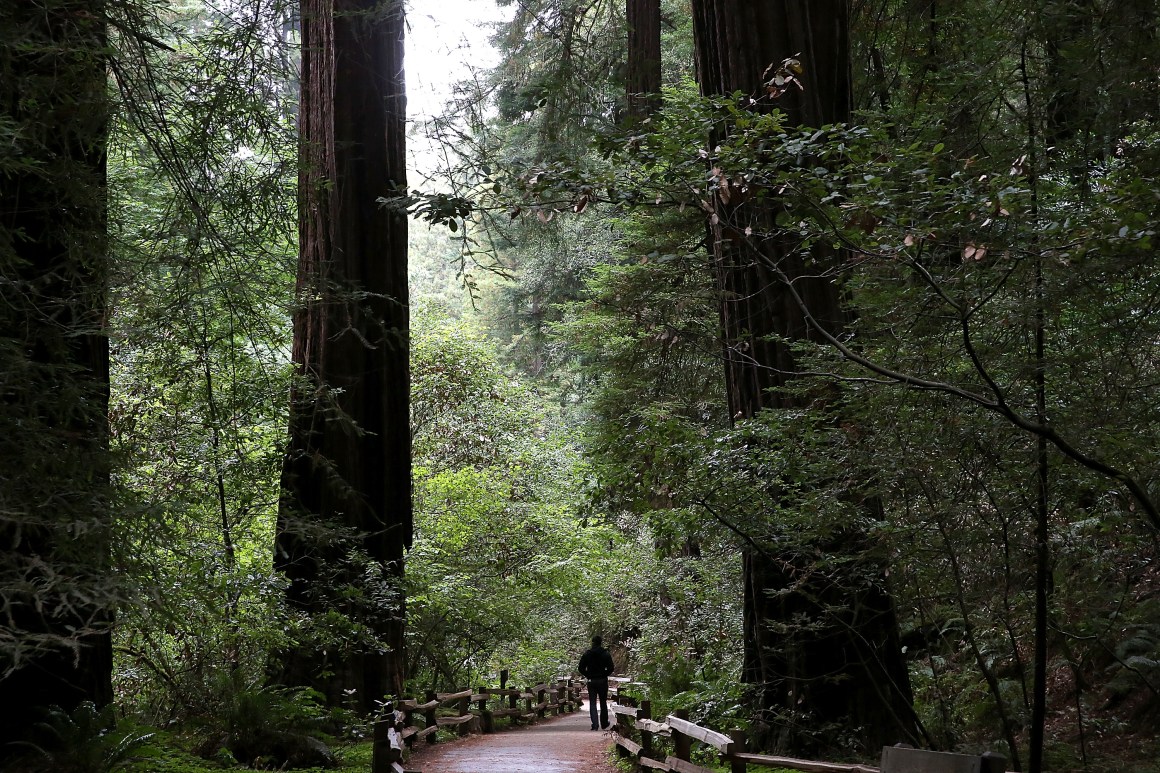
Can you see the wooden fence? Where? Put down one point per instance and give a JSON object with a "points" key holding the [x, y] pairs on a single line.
{"points": [[654, 745], [473, 711], [640, 737]]}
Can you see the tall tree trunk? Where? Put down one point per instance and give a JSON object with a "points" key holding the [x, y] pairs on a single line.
{"points": [[55, 513], [345, 515], [1043, 583], [643, 83], [845, 664]]}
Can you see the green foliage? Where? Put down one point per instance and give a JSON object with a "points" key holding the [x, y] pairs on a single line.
{"points": [[465, 412], [167, 753], [559, 73], [944, 249], [202, 180], [268, 727], [680, 619], [1137, 655], [83, 741], [561, 82], [497, 557], [1001, 184]]}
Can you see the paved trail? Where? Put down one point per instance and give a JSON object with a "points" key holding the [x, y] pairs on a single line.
{"points": [[564, 744]]}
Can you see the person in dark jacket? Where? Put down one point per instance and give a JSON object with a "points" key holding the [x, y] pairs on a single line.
{"points": [[595, 666]]}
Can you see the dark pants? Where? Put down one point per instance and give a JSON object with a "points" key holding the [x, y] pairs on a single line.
{"points": [[598, 688]]}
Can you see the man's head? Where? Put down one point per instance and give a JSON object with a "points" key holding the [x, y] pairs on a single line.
{"points": [[596, 640]]}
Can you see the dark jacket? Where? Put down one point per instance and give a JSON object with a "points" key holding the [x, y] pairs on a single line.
{"points": [[596, 664]]}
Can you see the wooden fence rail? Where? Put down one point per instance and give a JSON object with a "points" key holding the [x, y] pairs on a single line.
{"points": [[475, 711], [637, 736]]}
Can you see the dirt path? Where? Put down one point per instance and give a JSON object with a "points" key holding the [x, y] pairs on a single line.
{"points": [[565, 744]]}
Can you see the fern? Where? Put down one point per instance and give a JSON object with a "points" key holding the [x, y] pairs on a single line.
{"points": [[85, 741], [1137, 662]]}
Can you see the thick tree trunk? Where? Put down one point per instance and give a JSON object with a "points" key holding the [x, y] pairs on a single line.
{"points": [[820, 646], [55, 512], [345, 517], [643, 83]]}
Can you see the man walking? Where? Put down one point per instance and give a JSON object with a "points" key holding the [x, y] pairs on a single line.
{"points": [[595, 666]]}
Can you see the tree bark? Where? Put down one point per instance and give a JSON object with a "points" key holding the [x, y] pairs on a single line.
{"points": [[56, 589], [845, 665], [345, 515], [643, 84]]}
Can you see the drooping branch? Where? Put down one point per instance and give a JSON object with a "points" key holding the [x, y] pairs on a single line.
{"points": [[998, 404]]}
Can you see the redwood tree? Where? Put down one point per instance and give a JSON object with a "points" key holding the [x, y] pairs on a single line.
{"points": [[55, 512], [821, 644], [345, 515], [643, 84]]}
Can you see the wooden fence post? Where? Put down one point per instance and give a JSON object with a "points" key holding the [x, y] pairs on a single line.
{"points": [[511, 699], [385, 749], [682, 744], [408, 720], [540, 702], [379, 761], [739, 741], [485, 718], [429, 716], [993, 762], [646, 737], [465, 711]]}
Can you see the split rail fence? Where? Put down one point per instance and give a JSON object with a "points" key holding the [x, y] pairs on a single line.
{"points": [[652, 745], [472, 711], [640, 737]]}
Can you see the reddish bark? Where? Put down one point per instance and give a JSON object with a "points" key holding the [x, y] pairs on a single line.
{"points": [[347, 466]]}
